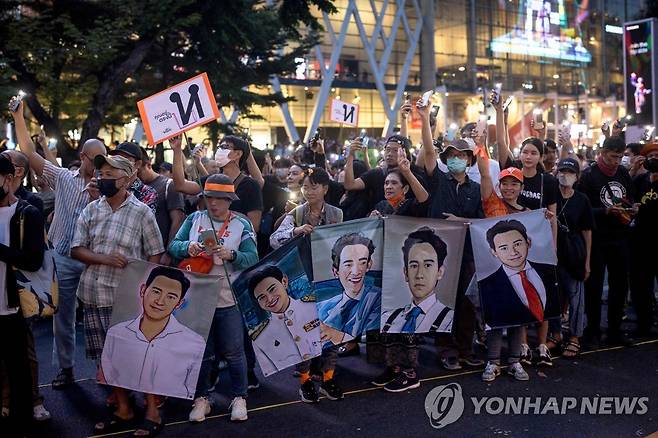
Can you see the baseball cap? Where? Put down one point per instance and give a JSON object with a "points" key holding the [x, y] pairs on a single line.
{"points": [[117, 162], [568, 164], [220, 186], [459, 145], [129, 148], [513, 172]]}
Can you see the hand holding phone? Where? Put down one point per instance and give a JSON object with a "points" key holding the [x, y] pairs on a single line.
{"points": [[425, 99], [16, 101]]}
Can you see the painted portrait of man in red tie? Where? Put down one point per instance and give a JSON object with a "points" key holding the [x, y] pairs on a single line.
{"points": [[520, 291]]}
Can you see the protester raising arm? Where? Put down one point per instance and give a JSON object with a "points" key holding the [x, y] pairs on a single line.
{"points": [[37, 162], [486, 183], [405, 111], [254, 170], [502, 142], [47, 153], [178, 172], [428, 152], [416, 187], [350, 183]]}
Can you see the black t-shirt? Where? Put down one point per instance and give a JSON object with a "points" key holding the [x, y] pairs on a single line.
{"points": [[275, 195], [410, 207], [534, 196], [598, 187], [647, 195], [374, 182], [250, 194], [575, 212]]}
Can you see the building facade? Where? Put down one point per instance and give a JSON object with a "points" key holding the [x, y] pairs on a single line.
{"points": [[561, 56]]}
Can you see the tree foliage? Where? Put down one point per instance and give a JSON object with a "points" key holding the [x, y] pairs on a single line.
{"points": [[85, 63]]}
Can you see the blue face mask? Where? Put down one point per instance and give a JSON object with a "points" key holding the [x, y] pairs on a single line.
{"points": [[456, 165]]}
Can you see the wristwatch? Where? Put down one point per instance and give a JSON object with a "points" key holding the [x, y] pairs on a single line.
{"points": [[234, 255]]}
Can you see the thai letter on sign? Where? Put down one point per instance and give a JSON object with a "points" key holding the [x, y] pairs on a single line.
{"points": [[178, 109], [344, 112]]}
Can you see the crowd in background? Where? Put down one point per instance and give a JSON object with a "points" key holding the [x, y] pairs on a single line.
{"points": [[116, 204]]}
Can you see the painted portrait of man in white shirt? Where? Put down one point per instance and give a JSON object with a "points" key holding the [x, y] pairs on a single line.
{"points": [[154, 353]]}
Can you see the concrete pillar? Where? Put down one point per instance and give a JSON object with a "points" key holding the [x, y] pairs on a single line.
{"points": [[427, 58]]}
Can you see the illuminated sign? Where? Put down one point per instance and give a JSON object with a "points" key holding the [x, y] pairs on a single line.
{"points": [[543, 29], [614, 29], [638, 71]]}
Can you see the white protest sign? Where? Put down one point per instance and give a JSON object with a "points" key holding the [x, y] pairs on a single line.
{"points": [[344, 112], [178, 109]]}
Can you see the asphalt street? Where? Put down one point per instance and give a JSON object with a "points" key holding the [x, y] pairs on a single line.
{"points": [[275, 409]]}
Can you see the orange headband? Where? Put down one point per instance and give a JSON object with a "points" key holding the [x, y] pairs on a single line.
{"points": [[219, 187]]}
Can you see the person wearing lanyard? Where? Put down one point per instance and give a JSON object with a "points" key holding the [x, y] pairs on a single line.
{"points": [[301, 221], [236, 250]]}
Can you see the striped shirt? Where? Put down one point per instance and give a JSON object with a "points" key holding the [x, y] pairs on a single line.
{"points": [[71, 198], [131, 231]]}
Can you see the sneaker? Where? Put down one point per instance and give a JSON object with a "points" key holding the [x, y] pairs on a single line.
{"points": [[471, 361], [252, 381], [544, 358], [450, 363], [516, 370], [64, 379], [238, 409], [526, 355], [403, 382], [388, 376], [331, 390], [308, 393], [491, 371], [200, 409], [39, 413]]}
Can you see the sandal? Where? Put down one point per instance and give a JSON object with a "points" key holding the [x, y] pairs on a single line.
{"points": [[113, 423], [150, 427], [571, 350], [553, 343]]}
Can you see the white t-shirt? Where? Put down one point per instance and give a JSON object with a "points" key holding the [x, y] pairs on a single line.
{"points": [[6, 213]]}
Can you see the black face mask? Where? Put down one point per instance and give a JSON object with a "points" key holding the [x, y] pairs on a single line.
{"points": [[108, 187], [651, 165]]}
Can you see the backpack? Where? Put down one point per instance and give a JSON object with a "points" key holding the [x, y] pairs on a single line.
{"points": [[38, 291]]}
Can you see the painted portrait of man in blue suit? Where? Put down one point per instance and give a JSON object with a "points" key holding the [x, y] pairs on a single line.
{"points": [[357, 308]]}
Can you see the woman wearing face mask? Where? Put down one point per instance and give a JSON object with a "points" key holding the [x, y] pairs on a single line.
{"points": [[576, 220], [301, 221], [396, 186]]}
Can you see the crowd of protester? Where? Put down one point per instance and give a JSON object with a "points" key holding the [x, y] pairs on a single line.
{"points": [[115, 205]]}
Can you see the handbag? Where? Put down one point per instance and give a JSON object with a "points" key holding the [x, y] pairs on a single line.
{"points": [[200, 264], [38, 291]]}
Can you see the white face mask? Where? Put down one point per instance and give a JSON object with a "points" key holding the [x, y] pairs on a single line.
{"points": [[567, 179], [626, 161], [221, 156]]}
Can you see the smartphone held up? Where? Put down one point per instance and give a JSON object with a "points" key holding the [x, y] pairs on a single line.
{"points": [[15, 103]]}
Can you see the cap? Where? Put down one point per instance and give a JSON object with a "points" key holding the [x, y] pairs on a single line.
{"points": [[220, 186], [459, 145], [129, 148], [648, 148], [513, 172], [120, 163], [568, 164]]}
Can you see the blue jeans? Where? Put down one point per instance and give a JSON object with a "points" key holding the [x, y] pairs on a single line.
{"points": [[68, 277], [226, 339], [573, 291]]}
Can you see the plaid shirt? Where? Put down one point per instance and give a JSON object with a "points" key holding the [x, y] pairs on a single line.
{"points": [[71, 198], [131, 231]]}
